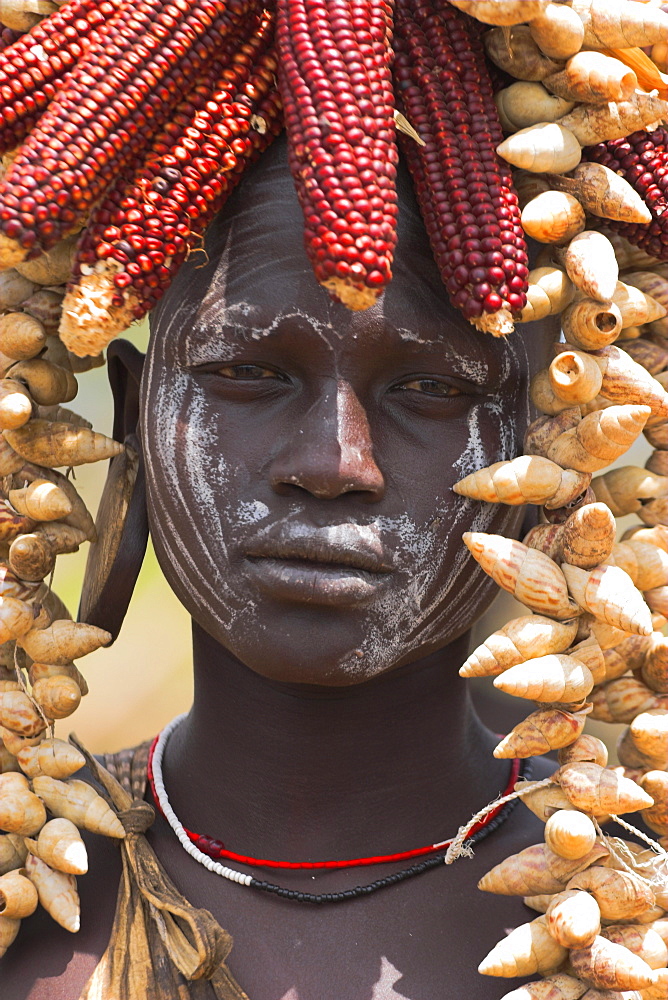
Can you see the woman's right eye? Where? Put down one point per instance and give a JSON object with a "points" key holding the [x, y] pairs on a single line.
{"points": [[247, 372]]}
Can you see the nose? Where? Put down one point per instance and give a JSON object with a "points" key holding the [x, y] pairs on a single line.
{"points": [[330, 451]]}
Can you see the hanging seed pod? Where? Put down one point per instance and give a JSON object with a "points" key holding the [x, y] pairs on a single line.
{"points": [[570, 834], [553, 217], [598, 791], [47, 383], [542, 802], [547, 147], [521, 639], [598, 439], [79, 802], [13, 852], [589, 324], [655, 783], [528, 948], [60, 846], [573, 917], [649, 731], [621, 700], [610, 966], [8, 930], [625, 489], [585, 748], [654, 670], [21, 336], [550, 291], [602, 192], [531, 577], [57, 893], [18, 713], [41, 501], [536, 870], [63, 641], [557, 987], [56, 444], [556, 677], [18, 896], [642, 941], [588, 536], [527, 479], [608, 593], [628, 655], [31, 557], [15, 404], [21, 811], [527, 103], [593, 77], [575, 377], [620, 895], [591, 265], [57, 696], [52, 757], [517, 54], [542, 731]]}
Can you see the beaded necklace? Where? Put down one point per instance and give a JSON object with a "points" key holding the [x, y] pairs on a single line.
{"points": [[205, 849]]}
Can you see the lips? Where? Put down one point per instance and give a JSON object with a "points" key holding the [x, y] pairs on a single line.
{"points": [[337, 565]]}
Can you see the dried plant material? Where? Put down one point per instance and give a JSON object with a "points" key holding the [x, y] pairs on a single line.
{"points": [[519, 640], [570, 834], [56, 444], [620, 895], [63, 641], [575, 377], [616, 24], [21, 336], [649, 731], [602, 192], [589, 324], [526, 479], [536, 870], [57, 893], [53, 757], [556, 677], [610, 966], [591, 265], [8, 930], [47, 383], [621, 700], [553, 217], [13, 852], [550, 291], [18, 896], [21, 811], [625, 489], [542, 731], [60, 846], [655, 783], [41, 501], [558, 32], [517, 53], [573, 916], [79, 802], [57, 696], [588, 535], [527, 949], [18, 713], [531, 577], [599, 791], [594, 78], [585, 748], [15, 404], [544, 148]]}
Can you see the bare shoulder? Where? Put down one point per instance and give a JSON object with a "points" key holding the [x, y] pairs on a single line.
{"points": [[46, 962]]}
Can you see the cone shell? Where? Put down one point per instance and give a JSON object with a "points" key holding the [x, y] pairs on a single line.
{"points": [[54, 444], [527, 479], [18, 896], [527, 949], [573, 918], [649, 731], [52, 757], [655, 783], [599, 791], [521, 639], [541, 732], [535, 870], [599, 438], [570, 834], [9, 928], [13, 852], [63, 641], [544, 801], [608, 593], [531, 577], [588, 536], [79, 802], [585, 748], [57, 893], [610, 966], [60, 846], [556, 677], [621, 700]]}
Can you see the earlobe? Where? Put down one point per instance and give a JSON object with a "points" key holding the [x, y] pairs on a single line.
{"points": [[115, 558]]}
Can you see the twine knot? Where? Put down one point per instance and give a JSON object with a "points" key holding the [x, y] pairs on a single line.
{"points": [[138, 817]]}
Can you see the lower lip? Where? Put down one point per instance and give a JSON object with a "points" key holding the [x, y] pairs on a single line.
{"points": [[316, 583]]}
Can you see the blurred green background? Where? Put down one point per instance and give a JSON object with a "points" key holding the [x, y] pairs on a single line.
{"points": [[144, 679]]}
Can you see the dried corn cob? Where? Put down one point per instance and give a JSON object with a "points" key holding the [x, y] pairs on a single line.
{"points": [[134, 75], [465, 191], [335, 83], [143, 230]]}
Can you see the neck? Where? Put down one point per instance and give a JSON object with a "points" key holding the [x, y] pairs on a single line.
{"points": [[312, 773]]}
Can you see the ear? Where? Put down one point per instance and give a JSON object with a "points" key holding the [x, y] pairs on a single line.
{"points": [[115, 558]]}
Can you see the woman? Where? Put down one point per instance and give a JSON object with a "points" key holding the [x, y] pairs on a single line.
{"points": [[299, 468]]}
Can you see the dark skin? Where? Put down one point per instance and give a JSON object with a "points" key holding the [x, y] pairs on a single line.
{"points": [[305, 740]]}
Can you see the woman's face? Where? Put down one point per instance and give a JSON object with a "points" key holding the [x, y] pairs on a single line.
{"points": [[300, 458]]}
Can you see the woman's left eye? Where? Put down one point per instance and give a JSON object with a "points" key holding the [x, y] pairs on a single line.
{"points": [[431, 387], [246, 372]]}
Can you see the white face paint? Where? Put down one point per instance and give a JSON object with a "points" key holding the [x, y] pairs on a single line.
{"points": [[226, 465]]}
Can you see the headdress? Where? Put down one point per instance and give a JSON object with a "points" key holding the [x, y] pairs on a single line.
{"points": [[124, 128]]}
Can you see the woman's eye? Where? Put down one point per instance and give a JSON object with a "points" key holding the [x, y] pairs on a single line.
{"points": [[246, 372], [431, 387]]}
